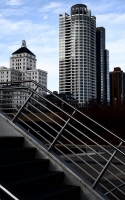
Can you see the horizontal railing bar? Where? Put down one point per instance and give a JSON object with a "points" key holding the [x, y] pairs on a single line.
{"points": [[94, 159], [96, 143], [34, 130], [8, 193], [93, 151], [114, 189], [80, 123], [114, 186], [68, 105], [102, 166], [41, 120], [79, 157], [98, 135], [101, 138], [85, 145], [77, 110], [84, 152], [114, 176], [109, 191], [90, 139], [45, 115], [49, 110], [37, 125], [74, 163]]}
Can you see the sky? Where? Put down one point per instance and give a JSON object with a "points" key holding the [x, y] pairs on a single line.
{"points": [[37, 22]]}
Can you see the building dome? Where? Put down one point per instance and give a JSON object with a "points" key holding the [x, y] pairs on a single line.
{"points": [[78, 9]]}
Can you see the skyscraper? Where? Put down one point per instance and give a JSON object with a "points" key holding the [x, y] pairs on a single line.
{"points": [[102, 62], [77, 53], [117, 84]]}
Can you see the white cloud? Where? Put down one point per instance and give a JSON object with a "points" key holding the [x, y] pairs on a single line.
{"points": [[104, 6], [112, 18], [50, 6], [5, 12], [13, 2], [13, 48], [56, 7], [40, 30], [21, 27], [45, 17]]}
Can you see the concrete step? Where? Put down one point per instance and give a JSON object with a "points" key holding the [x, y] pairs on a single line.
{"points": [[11, 142], [22, 170], [64, 192], [28, 178], [16, 155], [37, 184]]}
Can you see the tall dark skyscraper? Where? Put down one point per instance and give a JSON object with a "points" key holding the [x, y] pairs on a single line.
{"points": [[77, 53], [102, 62], [117, 84]]}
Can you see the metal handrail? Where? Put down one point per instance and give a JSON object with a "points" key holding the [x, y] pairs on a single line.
{"points": [[65, 140], [23, 81], [8, 192]]}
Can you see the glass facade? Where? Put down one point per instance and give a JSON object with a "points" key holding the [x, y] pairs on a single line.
{"points": [[102, 63], [117, 87], [77, 53], [107, 78]]}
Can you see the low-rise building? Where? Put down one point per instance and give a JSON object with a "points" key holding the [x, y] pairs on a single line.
{"points": [[23, 67]]}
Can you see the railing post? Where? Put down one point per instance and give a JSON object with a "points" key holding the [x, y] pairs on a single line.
{"points": [[59, 134], [14, 119], [105, 167]]}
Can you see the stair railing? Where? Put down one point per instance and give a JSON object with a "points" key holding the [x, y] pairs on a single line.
{"points": [[7, 192], [71, 134]]}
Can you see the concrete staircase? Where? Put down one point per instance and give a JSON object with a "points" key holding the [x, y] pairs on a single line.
{"points": [[30, 178]]}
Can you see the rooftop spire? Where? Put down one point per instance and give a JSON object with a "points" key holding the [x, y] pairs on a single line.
{"points": [[23, 43]]}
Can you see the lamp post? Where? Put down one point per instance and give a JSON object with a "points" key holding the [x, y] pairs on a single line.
{"points": [[121, 99], [115, 100]]}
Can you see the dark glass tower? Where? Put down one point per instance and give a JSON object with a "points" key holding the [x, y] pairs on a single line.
{"points": [[102, 63], [107, 78], [117, 87]]}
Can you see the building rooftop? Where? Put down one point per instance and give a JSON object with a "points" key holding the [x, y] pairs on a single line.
{"points": [[23, 49]]}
